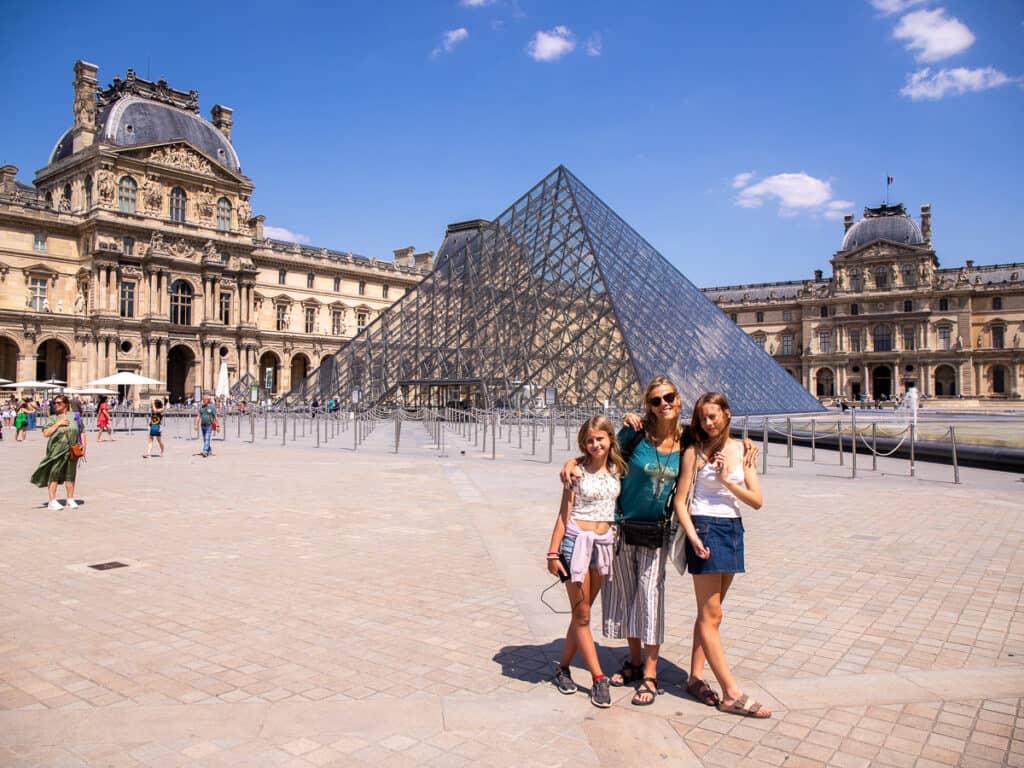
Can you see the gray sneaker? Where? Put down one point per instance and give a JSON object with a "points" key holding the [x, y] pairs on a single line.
{"points": [[601, 693], [563, 680]]}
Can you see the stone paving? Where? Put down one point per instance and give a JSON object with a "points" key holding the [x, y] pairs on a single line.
{"points": [[301, 606]]}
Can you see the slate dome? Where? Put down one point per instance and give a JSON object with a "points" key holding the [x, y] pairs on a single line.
{"points": [[884, 223]]}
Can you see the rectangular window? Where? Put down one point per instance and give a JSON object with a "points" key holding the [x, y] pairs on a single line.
{"points": [[855, 341], [908, 306], [128, 246], [759, 340], [127, 298], [909, 338], [855, 309], [732, 316], [37, 292], [824, 311], [281, 274], [336, 322], [787, 316], [362, 287], [281, 317], [225, 307], [997, 336], [384, 291], [824, 341], [945, 335], [997, 303], [310, 319], [309, 280], [361, 320], [787, 344], [39, 244], [759, 317], [337, 284]]}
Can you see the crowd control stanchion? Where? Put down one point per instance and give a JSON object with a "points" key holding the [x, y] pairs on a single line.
{"points": [[568, 445], [956, 465], [812, 441], [913, 438], [266, 421], [789, 440], [853, 444], [284, 426], [551, 438], [533, 451], [874, 447], [494, 438], [839, 437], [483, 443], [252, 427], [398, 429], [355, 434]]}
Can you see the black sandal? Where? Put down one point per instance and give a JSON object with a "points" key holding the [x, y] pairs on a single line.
{"points": [[643, 689], [702, 692], [628, 675]]}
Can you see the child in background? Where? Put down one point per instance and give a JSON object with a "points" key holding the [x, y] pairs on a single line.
{"points": [[156, 421]]}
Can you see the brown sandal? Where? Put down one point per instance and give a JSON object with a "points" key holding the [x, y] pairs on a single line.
{"points": [[702, 692], [744, 706]]}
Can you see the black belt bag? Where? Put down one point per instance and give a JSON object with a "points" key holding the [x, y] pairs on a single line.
{"points": [[645, 533]]}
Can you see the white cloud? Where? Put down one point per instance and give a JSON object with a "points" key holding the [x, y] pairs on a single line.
{"points": [[449, 40], [475, 3], [280, 233], [924, 84], [593, 46], [795, 193], [933, 35], [891, 7], [741, 180], [551, 45]]}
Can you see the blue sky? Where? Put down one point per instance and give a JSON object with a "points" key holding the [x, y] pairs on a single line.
{"points": [[368, 126]]}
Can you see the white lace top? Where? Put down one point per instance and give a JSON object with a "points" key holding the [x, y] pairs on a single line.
{"points": [[595, 495]]}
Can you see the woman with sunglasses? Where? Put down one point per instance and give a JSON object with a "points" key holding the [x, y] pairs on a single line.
{"points": [[58, 465]]}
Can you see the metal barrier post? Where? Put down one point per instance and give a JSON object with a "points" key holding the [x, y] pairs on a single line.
{"points": [[874, 446], [520, 430], [551, 438], [745, 418], [295, 427], [853, 444], [764, 448], [284, 426], [355, 434], [812, 441], [913, 437], [533, 451], [839, 437], [956, 465], [316, 424], [789, 439], [398, 429], [252, 427], [494, 437], [266, 421], [483, 443], [568, 445]]}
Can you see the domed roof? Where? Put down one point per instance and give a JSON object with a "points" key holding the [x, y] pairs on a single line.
{"points": [[136, 111], [887, 222]]}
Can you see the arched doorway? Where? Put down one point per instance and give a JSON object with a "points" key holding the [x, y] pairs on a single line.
{"points": [[52, 361], [881, 382], [270, 371], [8, 359], [945, 381], [300, 369], [327, 380], [826, 383], [181, 362]]}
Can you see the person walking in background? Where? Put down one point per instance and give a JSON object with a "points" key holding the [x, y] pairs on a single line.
{"points": [[103, 419], [60, 464], [21, 420], [156, 420], [714, 537], [206, 420]]}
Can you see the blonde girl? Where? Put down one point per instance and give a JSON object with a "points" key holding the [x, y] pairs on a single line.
{"points": [[582, 548], [714, 538]]}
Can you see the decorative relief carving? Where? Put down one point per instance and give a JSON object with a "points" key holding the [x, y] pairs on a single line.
{"points": [[204, 205], [156, 243], [105, 185], [244, 213], [152, 195], [181, 249], [133, 85], [210, 252], [182, 158], [85, 107]]}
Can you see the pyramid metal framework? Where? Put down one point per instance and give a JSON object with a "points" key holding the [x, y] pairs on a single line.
{"points": [[557, 295]]}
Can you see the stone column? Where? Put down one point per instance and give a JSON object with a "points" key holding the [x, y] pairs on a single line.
{"points": [[112, 289], [101, 282]]}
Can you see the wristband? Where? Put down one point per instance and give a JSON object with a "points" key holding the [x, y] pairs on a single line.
{"points": [[552, 557]]}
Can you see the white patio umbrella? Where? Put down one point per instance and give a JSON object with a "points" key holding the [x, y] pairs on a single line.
{"points": [[89, 391], [223, 387], [31, 385], [55, 382], [126, 378], [5, 381]]}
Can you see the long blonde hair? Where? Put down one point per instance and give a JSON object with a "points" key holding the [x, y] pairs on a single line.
{"points": [[603, 424], [649, 417]]}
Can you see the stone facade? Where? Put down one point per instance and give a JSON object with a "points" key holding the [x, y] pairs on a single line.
{"points": [[136, 249], [889, 318]]}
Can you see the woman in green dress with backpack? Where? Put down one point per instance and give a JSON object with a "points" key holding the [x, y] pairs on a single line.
{"points": [[59, 465]]}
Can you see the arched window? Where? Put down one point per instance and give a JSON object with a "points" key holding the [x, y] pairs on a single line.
{"points": [[881, 277], [65, 198], [87, 186], [883, 338], [178, 205], [826, 383], [909, 276], [126, 189], [224, 215], [181, 303], [855, 281], [49, 199]]}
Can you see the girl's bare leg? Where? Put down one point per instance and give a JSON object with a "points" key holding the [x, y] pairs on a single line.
{"points": [[697, 657]]}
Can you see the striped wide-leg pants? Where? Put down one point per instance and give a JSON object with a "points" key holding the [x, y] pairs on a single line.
{"points": [[633, 602]]}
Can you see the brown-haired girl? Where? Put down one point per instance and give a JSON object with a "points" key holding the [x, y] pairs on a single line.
{"points": [[714, 538], [582, 548]]}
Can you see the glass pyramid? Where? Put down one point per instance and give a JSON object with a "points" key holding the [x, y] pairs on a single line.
{"points": [[557, 297]]}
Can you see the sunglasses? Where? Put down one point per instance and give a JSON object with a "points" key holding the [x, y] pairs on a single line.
{"points": [[655, 401]]}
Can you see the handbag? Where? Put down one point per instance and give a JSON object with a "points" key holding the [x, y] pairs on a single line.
{"points": [[75, 450], [645, 533]]}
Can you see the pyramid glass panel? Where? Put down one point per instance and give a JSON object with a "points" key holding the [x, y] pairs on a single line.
{"points": [[556, 293]]}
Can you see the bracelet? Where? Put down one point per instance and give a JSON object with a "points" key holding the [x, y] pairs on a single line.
{"points": [[553, 553], [552, 557]]}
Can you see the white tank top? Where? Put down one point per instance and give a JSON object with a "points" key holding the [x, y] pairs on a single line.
{"points": [[594, 500], [710, 497]]}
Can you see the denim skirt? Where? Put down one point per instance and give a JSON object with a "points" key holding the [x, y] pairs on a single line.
{"points": [[724, 537]]}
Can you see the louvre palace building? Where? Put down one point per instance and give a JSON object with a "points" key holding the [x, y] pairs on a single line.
{"points": [[889, 318], [135, 248]]}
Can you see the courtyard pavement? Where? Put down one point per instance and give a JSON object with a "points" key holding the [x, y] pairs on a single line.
{"points": [[302, 606]]}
